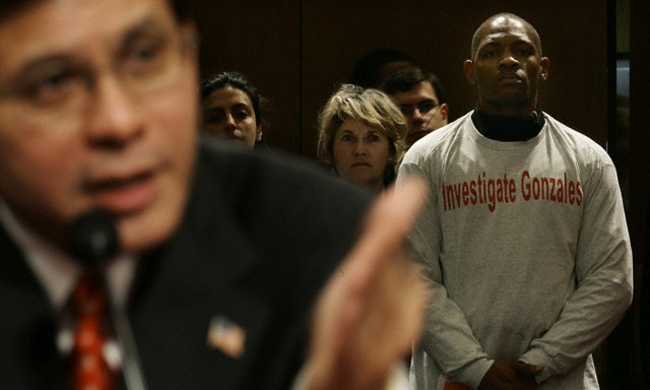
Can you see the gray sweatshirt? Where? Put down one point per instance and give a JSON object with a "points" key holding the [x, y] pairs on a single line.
{"points": [[527, 250]]}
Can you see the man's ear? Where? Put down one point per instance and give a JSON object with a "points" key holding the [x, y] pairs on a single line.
{"points": [[191, 37], [468, 68], [258, 136], [545, 64], [444, 112]]}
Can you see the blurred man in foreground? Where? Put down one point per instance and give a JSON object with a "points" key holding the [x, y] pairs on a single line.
{"points": [[223, 257]]}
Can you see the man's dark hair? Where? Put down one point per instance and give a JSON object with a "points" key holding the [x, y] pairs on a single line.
{"points": [[406, 79], [8, 8], [181, 9], [366, 71]]}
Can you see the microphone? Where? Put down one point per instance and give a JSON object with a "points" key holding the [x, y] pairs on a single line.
{"points": [[93, 239]]}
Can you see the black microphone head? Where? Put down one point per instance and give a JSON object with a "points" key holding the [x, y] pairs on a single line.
{"points": [[92, 238]]}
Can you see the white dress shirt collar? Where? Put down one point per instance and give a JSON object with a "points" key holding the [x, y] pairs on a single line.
{"points": [[56, 270]]}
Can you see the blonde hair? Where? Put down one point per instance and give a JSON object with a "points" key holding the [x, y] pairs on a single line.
{"points": [[371, 107]]}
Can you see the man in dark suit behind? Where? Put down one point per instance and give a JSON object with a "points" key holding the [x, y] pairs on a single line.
{"points": [[224, 257]]}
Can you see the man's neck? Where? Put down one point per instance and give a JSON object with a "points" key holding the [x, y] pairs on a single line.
{"points": [[55, 269], [508, 128], [508, 109]]}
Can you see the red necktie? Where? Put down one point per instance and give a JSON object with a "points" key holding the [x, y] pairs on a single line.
{"points": [[89, 368]]}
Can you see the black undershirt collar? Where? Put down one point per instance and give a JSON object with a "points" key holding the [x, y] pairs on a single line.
{"points": [[508, 129]]}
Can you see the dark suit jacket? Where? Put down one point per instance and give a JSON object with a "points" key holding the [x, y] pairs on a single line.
{"points": [[259, 239]]}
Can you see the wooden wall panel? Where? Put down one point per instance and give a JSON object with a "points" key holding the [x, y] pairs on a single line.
{"points": [[437, 33], [297, 52], [261, 40]]}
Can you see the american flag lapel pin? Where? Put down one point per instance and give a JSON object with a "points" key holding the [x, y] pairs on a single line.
{"points": [[225, 335]]}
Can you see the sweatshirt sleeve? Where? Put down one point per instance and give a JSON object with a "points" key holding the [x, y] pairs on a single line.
{"points": [[447, 336], [603, 268]]}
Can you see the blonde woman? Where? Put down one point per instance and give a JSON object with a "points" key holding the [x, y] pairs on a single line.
{"points": [[361, 136]]}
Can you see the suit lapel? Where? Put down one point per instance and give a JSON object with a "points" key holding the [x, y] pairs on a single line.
{"points": [[29, 358], [195, 277]]}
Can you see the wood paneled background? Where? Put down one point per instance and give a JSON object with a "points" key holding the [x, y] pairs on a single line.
{"points": [[296, 52]]}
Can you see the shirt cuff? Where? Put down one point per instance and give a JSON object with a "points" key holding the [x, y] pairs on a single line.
{"points": [[397, 380], [537, 357]]}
